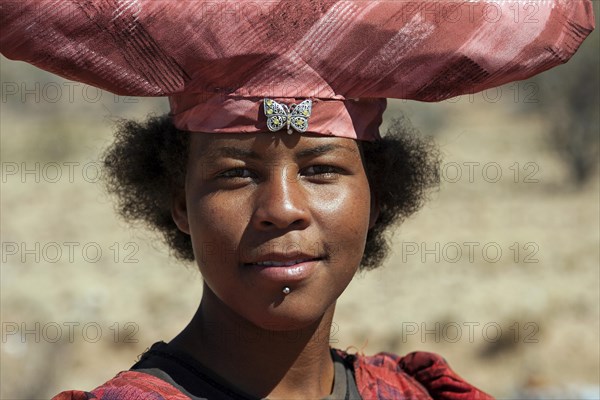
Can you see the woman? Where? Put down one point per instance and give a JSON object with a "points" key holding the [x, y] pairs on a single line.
{"points": [[283, 187], [279, 223]]}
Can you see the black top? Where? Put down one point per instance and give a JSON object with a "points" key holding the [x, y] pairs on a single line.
{"points": [[198, 382]]}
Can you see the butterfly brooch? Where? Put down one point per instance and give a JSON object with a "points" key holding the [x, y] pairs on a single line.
{"points": [[279, 115]]}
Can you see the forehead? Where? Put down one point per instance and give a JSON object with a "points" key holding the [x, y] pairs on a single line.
{"points": [[269, 145]]}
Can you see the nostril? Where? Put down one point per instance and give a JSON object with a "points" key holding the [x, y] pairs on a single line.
{"points": [[268, 224], [279, 212]]}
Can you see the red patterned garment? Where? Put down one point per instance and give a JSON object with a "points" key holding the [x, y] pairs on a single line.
{"points": [[218, 60], [418, 375], [384, 376]]}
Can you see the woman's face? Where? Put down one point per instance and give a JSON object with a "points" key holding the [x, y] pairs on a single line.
{"points": [[268, 211]]}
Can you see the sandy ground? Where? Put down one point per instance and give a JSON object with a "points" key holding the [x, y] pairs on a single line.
{"points": [[498, 273]]}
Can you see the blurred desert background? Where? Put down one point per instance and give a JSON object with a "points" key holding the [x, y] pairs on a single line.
{"points": [[499, 272]]}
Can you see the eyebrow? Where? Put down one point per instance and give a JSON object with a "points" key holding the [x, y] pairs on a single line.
{"points": [[326, 148], [235, 152]]}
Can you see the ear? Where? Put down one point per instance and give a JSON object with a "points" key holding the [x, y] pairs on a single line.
{"points": [[374, 214], [179, 212]]}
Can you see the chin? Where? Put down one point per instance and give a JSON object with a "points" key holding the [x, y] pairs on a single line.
{"points": [[290, 317]]}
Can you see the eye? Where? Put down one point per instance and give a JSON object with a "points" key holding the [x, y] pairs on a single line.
{"points": [[237, 173], [323, 171]]}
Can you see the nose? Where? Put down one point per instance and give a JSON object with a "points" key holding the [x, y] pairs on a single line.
{"points": [[281, 203]]}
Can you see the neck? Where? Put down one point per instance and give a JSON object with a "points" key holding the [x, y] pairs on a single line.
{"points": [[258, 361]]}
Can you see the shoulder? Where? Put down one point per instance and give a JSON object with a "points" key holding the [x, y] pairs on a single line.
{"points": [[419, 375], [131, 385]]}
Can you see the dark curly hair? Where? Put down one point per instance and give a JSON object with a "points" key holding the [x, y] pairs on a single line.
{"points": [[146, 165]]}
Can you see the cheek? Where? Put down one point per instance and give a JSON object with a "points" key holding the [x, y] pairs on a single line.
{"points": [[216, 226], [344, 217], [346, 208], [217, 211]]}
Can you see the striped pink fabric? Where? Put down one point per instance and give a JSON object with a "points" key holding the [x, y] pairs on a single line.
{"points": [[217, 60]]}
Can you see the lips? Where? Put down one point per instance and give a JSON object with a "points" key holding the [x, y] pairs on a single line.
{"points": [[282, 264], [284, 269]]}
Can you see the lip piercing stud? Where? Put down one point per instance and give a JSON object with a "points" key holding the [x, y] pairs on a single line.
{"points": [[286, 290]]}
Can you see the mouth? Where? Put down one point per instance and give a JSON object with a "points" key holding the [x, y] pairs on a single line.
{"points": [[282, 263], [284, 271]]}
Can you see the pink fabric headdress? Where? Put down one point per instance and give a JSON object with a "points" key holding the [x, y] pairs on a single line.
{"points": [[218, 61]]}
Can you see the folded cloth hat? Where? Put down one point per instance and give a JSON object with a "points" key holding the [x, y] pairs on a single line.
{"points": [[218, 60]]}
